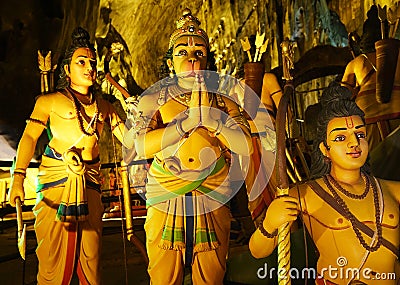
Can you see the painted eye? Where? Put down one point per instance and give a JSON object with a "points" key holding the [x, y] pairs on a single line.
{"points": [[361, 135], [81, 62], [199, 53], [339, 138], [181, 53]]}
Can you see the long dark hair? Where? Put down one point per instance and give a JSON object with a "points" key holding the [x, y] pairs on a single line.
{"points": [[335, 102], [80, 38]]}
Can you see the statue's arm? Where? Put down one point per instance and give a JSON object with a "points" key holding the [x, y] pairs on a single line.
{"points": [[349, 79], [34, 128], [235, 129], [118, 126], [27, 144], [271, 90], [152, 135]]}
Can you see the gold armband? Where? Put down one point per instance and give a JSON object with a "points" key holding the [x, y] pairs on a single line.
{"points": [[218, 129], [240, 120], [36, 121], [116, 125], [179, 128], [142, 122]]}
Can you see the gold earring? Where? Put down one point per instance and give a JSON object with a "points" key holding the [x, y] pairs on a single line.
{"points": [[171, 72]]}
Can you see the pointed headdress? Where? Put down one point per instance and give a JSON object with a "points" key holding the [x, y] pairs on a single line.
{"points": [[188, 25]]}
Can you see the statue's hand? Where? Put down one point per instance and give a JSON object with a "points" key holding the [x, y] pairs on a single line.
{"points": [[196, 99], [200, 112], [209, 115], [282, 210], [16, 189], [194, 113]]}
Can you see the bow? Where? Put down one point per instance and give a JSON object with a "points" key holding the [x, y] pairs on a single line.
{"points": [[128, 213], [131, 236], [21, 229], [283, 182]]}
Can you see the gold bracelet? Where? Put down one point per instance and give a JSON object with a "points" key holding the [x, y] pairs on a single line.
{"points": [[19, 172], [264, 231], [218, 129], [179, 128]]}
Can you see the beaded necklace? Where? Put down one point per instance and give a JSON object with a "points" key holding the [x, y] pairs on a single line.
{"points": [[349, 215], [91, 98], [77, 106], [347, 193]]}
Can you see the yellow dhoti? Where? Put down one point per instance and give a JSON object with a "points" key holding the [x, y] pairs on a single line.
{"points": [[166, 267], [169, 206], [67, 246]]}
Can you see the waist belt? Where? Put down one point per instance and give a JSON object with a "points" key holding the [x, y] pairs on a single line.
{"points": [[52, 153]]}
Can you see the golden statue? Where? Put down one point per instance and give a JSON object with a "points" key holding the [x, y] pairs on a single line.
{"points": [[68, 207], [352, 217], [189, 131]]}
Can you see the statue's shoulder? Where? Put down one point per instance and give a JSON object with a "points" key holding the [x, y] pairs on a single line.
{"points": [[225, 101], [51, 97], [150, 101], [269, 76], [301, 189], [391, 186]]}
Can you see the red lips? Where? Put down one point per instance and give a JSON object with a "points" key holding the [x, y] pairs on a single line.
{"points": [[354, 154]]}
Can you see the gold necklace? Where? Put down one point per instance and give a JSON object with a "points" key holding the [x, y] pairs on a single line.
{"points": [[184, 96]]}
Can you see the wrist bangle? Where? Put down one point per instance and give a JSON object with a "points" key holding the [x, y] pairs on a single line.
{"points": [[179, 128], [264, 231], [218, 129], [19, 172]]}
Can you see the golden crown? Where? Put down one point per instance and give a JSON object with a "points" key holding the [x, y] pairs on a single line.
{"points": [[187, 25]]}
